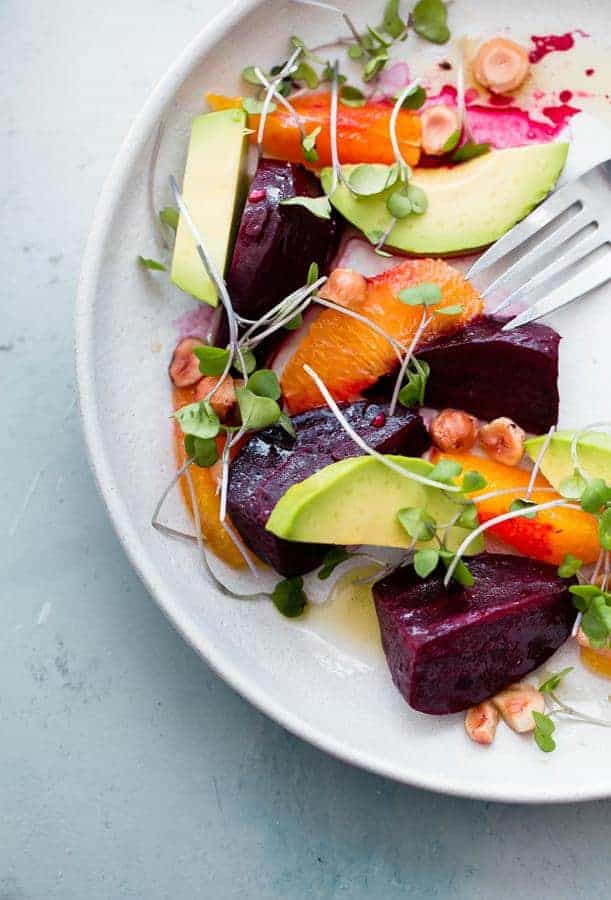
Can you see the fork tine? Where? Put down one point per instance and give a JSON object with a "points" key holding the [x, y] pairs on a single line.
{"points": [[575, 287], [549, 210], [557, 266]]}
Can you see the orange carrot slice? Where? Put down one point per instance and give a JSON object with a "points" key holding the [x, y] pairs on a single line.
{"points": [[548, 537], [362, 133]]}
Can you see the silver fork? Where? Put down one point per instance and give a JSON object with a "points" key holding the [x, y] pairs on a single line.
{"points": [[560, 252]]}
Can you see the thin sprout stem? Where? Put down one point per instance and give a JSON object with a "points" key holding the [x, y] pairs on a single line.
{"points": [[176, 478], [386, 234], [225, 373], [605, 580], [333, 128], [282, 100], [598, 567], [241, 546], [399, 348], [335, 9], [576, 438], [159, 226], [460, 90], [271, 90], [575, 714], [393, 123], [538, 461], [401, 375], [280, 323], [358, 440], [497, 520], [513, 490], [280, 308]]}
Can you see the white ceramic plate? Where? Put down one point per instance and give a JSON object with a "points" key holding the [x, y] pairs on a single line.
{"points": [[324, 678]]}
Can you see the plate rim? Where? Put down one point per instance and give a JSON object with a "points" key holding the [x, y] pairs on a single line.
{"points": [[144, 565]]}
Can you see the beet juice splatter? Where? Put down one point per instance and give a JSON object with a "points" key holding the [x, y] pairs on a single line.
{"points": [[552, 43], [504, 126]]}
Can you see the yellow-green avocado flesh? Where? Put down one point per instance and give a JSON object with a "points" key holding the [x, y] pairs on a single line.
{"points": [[593, 450], [470, 205], [214, 188], [356, 501]]}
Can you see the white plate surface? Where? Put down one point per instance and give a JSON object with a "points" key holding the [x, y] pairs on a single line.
{"points": [[324, 678]]}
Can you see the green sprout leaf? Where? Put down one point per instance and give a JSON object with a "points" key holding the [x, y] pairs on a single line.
{"points": [[412, 392], [355, 51], [445, 471], [595, 604], [473, 481], [469, 150], [425, 294], [294, 323], [378, 38], [333, 558], [398, 204], [425, 562], [572, 488], [152, 264], [313, 274], [393, 24], [256, 412], [468, 518], [203, 450], [550, 684], [429, 18], [417, 523], [318, 206], [452, 141], [569, 566], [308, 145], [289, 597], [250, 76], [369, 180], [416, 99], [250, 362], [198, 419], [374, 66], [520, 504], [305, 72], [352, 96], [450, 310], [544, 728], [604, 530], [212, 360], [462, 573], [254, 107], [595, 495], [264, 383], [169, 216], [285, 422]]}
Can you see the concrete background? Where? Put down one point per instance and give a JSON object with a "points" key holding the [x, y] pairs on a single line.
{"points": [[127, 769]]}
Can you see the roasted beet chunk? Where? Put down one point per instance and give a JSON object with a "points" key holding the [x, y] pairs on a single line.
{"points": [[276, 244], [492, 373], [449, 650], [271, 462]]}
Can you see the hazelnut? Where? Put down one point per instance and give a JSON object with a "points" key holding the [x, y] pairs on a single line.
{"points": [[344, 287], [503, 441], [481, 722], [517, 703], [224, 401], [501, 65], [454, 430], [184, 368]]}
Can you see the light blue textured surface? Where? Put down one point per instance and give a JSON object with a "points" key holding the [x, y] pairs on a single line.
{"points": [[127, 769]]}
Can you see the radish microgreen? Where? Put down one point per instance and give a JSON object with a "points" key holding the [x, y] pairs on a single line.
{"points": [[198, 419], [469, 150], [417, 523], [425, 294], [544, 728], [289, 597], [264, 383], [169, 216], [151, 264], [473, 481], [203, 450], [308, 145], [429, 20], [351, 96], [212, 360], [317, 206], [333, 558], [425, 562], [569, 566]]}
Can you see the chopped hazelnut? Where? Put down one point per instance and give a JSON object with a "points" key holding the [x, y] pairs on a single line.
{"points": [[481, 722], [517, 703], [224, 400], [454, 430], [503, 441], [184, 368]]}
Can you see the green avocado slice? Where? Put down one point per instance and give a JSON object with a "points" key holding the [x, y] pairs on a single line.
{"points": [[594, 451], [214, 189], [470, 205], [356, 501]]}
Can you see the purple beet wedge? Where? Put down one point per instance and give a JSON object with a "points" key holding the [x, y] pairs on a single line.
{"points": [[271, 462], [276, 244], [449, 650], [492, 373]]}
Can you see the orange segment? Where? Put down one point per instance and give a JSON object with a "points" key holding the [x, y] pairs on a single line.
{"points": [[549, 537], [363, 134], [204, 483], [349, 356]]}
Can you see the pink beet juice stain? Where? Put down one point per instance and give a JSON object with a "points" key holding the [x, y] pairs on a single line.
{"points": [[506, 126], [553, 43]]}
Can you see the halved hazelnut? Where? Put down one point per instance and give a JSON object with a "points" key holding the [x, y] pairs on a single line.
{"points": [[454, 430], [184, 368], [224, 400], [517, 703], [503, 440], [481, 722]]}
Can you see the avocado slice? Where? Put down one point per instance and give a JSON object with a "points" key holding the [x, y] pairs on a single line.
{"points": [[594, 455], [214, 189], [356, 501], [470, 205]]}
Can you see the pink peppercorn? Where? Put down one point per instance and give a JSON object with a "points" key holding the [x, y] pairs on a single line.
{"points": [[256, 195], [378, 420]]}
